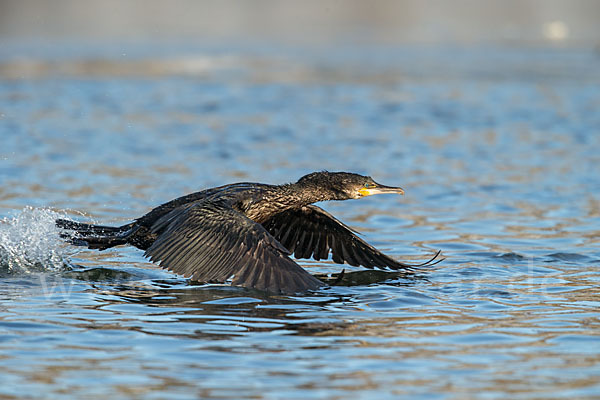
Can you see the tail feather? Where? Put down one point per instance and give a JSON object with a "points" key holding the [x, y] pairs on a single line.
{"points": [[99, 242], [82, 227], [93, 236]]}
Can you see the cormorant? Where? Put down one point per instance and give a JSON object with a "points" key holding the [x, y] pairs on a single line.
{"points": [[246, 232]]}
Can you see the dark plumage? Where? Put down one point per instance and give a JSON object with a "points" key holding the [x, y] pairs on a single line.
{"points": [[247, 232]]}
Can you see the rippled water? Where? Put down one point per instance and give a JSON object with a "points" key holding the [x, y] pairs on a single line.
{"points": [[499, 157]]}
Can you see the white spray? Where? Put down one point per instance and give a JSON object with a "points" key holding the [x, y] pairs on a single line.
{"points": [[31, 242]]}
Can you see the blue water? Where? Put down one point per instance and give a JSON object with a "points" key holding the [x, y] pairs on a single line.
{"points": [[498, 152]]}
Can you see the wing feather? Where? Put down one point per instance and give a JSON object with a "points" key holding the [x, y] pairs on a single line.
{"points": [[212, 242], [311, 231]]}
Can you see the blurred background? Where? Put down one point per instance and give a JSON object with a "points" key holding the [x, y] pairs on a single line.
{"points": [[379, 86], [182, 31], [325, 23]]}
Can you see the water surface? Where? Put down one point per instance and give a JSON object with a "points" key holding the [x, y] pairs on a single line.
{"points": [[498, 154]]}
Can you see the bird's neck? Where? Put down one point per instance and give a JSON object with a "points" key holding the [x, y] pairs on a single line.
{"points": [[309, 194], [277, 199]]}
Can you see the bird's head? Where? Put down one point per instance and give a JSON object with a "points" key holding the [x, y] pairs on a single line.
{"points": [[345, 185]]}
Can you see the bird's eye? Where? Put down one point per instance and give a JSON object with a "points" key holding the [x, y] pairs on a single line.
{"points": [[369, 185]]}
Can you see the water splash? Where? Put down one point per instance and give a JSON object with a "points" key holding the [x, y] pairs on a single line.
{"points": [[31, 242]]}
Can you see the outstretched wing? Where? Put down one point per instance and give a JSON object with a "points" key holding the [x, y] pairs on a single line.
{"points": [[312, 232], [212, 243]]}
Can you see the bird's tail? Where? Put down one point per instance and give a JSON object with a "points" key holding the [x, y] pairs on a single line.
{"points": [[93, 236]]}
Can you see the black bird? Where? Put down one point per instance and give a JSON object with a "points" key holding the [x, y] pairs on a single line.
{"points": [[246, 232]]}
